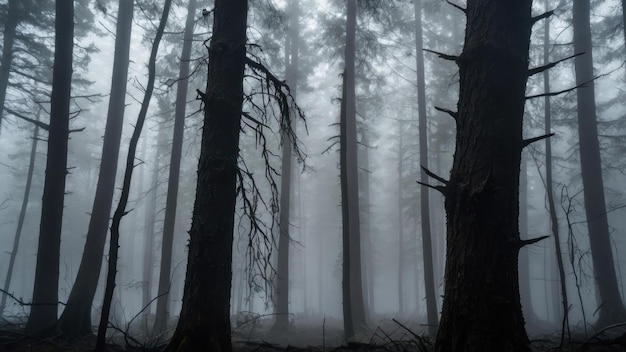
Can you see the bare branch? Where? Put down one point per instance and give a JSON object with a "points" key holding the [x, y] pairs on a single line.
{"points": [[40, 124], [454, 114], [528, 141], [528, 242], [433, 175], [551, 94], [540, 69], [442, 55], [441, 189], [458, 7], [542, 16]]}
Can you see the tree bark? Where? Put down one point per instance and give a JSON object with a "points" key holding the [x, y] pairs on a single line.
{"points": [[481, 308], [43, 313], [76, 317], [204, 323], [610, 307], [427, 247], [162, 313], [22, 216]]}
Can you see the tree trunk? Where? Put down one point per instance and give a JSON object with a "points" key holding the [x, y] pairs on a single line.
{"points": [[291, 66], [120, 211], [43, 313], [610, 306], [400, 221], [204, 323], [22, 216], [162, 313], [351, 173], [427, 247], [481, 308], [10, 27], [76, 317]]}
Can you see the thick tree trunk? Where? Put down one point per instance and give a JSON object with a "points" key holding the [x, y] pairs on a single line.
{"points": [[162, 313], [204, 323], [22, 216], [43, 313], [291, 67], [76, 317], [481, 308], [427, 247], [610, 306], [351, 170], [10, 26]]}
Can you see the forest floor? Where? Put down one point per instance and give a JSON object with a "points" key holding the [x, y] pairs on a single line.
{"points": [[254, 334]]}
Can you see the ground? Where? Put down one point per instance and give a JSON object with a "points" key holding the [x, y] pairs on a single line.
{"points": [[252, 333]]}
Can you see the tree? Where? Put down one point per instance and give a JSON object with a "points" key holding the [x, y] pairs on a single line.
{"points": [[427, 248], [481, 308], [22, 216], [354, 310], [204, 323], [610, 303], [43, 312], [174, 173], [282, 274], [76, 317]]}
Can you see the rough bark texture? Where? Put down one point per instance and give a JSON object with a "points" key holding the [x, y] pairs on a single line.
{"points": [[481, 308], [43, 313], [22, 216], [204, 323], [282, 289], [610, 305], [76, 317], [162, 313], [427, 247]]}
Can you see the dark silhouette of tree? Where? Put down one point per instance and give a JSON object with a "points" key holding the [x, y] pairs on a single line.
{"points": [[481, 308], [610, 306], [204, 323], [43, 312], [162, 313], [76, 317]]}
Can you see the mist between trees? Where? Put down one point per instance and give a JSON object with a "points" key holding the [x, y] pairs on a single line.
{"points": [[224, 175]]}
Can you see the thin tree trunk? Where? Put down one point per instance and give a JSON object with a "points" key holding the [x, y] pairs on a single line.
{"points": [[481, 308], [204, 323], [43, 313], [554, 221], [120, 211], [610, 307], [22, 216], [162, 313], [10, 27], [148, 243], [427, 247], [76, 317], [400, 221]]}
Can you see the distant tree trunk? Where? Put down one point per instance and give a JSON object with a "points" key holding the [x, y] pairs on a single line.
{"points": [[291, 65], [43, 313], [427, 247], [162, 313], [120, 211], [524, 263], [350, 177], [76, 317], [481, 308], [22, 216], [204, 323], [148, 233], [554, 221], [366, 228], [610, 306], [10, 27], [400, 221]]}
